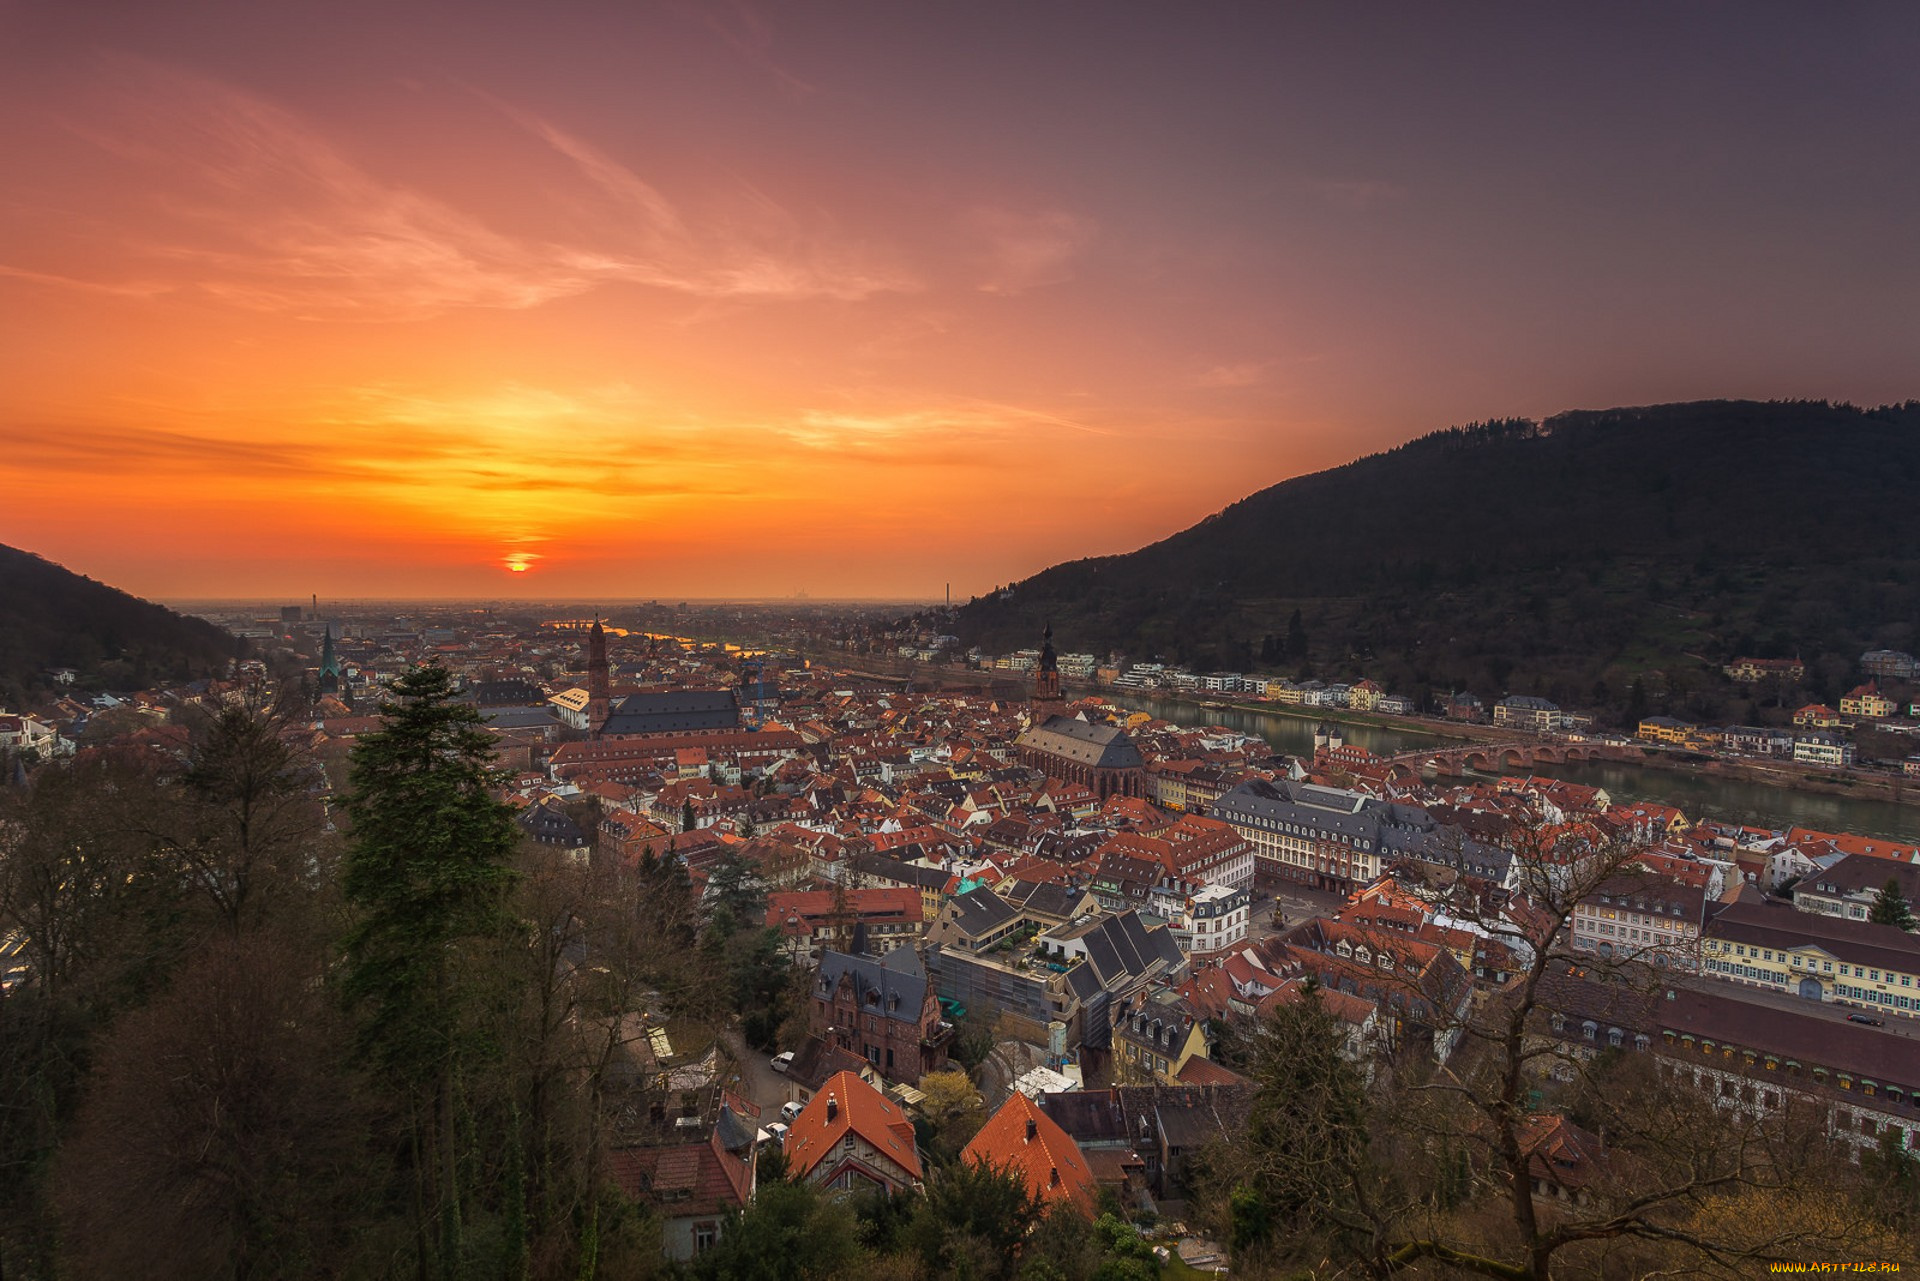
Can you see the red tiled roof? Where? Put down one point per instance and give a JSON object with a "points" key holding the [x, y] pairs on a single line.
{"points": [[859, 1109], [1026, 1140]]}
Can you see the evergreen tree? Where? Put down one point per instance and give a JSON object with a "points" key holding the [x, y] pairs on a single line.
{"points": [[1890, 907], [426, 874], [1296, 636]]}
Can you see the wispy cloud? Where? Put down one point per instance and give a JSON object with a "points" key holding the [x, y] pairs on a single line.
{"points": [[266, 212], [1025, 249], [1245, 373]]}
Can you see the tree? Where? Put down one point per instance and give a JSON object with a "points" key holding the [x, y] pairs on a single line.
{"points": [[426, 874], [1434, 1163], [223, 1135], [1890, 907], [246, 823]]}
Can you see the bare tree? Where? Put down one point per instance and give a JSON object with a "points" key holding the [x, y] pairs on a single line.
{"points": [[1442, 1164]]}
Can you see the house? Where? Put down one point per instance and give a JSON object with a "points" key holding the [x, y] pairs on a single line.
{"points": [[692, 1187], [1890, 664], [1829, 750], [1818, 716], [816, 1061], [887, 1013], [1642, 915], [1849, 887], [853, 1138], [811, 921], [1564, 1161], [1154, 1041], [1866, 701], [1753, 671], [1529, 714], [1023, 1140], [1664, 729]]}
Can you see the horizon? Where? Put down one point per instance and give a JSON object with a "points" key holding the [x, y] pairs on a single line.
{"points": [[470, 302]]}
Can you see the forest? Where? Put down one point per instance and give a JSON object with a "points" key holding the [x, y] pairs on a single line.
{"points": [[51, 618], [1566, 558]]}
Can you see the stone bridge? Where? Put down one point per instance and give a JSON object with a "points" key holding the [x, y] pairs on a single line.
{"points": [[1517, 756]]}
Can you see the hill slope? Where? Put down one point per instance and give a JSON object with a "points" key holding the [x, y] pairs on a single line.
{"points": [[53, 617], [1566, 558]]}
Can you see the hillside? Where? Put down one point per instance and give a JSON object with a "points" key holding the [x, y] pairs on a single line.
{"points": [[1569, 558], [53, 617]]}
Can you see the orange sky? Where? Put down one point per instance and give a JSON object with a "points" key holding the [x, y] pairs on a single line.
{"points": [[708, 300]]}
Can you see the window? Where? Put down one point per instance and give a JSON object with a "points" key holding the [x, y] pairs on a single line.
{"points": [[704, 1235]]}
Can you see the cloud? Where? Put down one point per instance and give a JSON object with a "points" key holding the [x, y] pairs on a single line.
{"points": [[1246, 373], [1022, 250], [263, 211]]}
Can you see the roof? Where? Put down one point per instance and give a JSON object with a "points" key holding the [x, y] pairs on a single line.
{"points": [[900, 995], [1026, 1141], [857, 1108], [685, 1179], [674, 712], [1777, 925], [1070, 738]]}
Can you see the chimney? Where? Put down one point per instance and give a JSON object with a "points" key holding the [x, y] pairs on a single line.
{"points": [[1033, 1130], [833, 1108]]}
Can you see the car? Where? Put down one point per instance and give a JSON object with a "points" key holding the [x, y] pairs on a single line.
{"points": [[781, 1062], [789, 1111], [776, 1133], [1868, 1019]]}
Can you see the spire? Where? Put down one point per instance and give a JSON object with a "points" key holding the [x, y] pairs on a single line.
{"points": [[599, 682]]}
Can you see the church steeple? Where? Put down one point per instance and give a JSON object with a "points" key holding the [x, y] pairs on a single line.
{"points": [[599, 684], [1046, 680], [329, 683]]}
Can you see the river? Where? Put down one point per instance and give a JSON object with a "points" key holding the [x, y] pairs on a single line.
{"points": [[1695, 795]]}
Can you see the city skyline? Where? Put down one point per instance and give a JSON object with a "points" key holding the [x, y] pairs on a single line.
{"points": [[741, 302]]}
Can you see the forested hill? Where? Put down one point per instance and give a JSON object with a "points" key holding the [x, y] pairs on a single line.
{"points": [[1533, 557], [52, 617]]}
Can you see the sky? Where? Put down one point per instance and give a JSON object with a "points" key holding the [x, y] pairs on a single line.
{"points": [[619, 299]]}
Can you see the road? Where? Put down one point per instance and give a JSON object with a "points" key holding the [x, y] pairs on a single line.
{"points": [[757, 1081]]}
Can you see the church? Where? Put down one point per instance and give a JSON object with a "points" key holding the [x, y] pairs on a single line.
{"points": [[1101, 758]]}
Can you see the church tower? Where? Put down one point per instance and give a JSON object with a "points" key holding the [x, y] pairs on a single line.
{"points": [[329, 682], [1046, 682], [599, 686]]}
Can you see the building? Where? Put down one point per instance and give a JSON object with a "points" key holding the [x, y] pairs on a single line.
{"points": [[1325, 837], [599, 687], [1867, 701], [1642, 915], [1860, 1084], [692, 1187], [1753, 671], [681, 711], [1211, 921], [1047, 701], [853, 1138], [1529, 714], [1849, 887], [1155, 1040], [811, 921], [888, 1015], [1890, 664], [1022, 1139], [1101, 758], [1829, 750], [1818, 957], [1664, 729]]}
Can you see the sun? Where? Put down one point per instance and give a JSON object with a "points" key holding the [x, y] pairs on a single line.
{"points": [[519, 562]]}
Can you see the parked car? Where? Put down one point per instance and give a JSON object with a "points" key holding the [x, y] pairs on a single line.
{"points": [[788, 1111], [781, 1062], [777, 1133], [1868, 1019]]}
